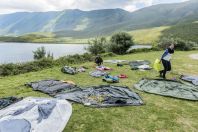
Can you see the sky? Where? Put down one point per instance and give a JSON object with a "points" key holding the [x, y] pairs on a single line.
{"points": [[11, 6]]}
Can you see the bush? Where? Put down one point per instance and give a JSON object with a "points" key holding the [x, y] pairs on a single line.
{"points": [[40, 53], [15, 69], [120, 43], [180, 44], [96, 45]]}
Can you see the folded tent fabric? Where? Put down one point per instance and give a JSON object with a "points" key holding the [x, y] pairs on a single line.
{"points": [[140, 64], [51, 87], [110, 79], [4, 102], [190, 78], [35, 115], [97, 73], [168, 88], [81, 69], [69, 70], [103, 68], [103, 96]]}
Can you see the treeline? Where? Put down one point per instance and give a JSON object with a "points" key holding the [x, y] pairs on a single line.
{"points": [[43, 63]]}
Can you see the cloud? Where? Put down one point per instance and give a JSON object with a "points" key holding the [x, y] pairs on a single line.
{"points": [[9, 6]]}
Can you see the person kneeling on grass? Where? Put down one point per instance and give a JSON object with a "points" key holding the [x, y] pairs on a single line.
{"points": [[98, 60], [165, 59]]}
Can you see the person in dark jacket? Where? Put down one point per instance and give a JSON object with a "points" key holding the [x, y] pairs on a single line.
{"points": [[98, 60], [165, 59]]}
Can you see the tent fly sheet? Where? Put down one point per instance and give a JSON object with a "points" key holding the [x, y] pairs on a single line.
{"points": [[35, 115], [51, 87], [191, 79], [168, 88], [4, 102], [103, 96], [140, 65]]}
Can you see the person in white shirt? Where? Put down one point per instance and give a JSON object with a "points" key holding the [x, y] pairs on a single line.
{"points": [[165, 59]]}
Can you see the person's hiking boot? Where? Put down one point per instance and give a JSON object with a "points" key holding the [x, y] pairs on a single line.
{"points": [[161, 73]]}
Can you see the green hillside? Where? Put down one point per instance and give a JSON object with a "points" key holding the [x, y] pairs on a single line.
{"points": [[85, 24], [188, 31], [148, 36]]}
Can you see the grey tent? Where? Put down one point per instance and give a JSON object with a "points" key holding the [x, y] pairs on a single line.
{"points": [[51, 86], [168, 88], [4, 102], [69, 70], [117, 61], [103, 96], [140, 64], [97, 73], [191, 79], [35, 115]]}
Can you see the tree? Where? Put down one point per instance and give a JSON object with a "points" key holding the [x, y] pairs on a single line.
{"points": [[179, 43], [96, 45], [39, 53], [120, 43]]}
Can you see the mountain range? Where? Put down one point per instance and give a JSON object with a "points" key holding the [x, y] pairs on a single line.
{"points": [[78, 23]]}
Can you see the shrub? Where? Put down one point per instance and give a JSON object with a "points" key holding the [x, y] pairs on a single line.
{"points": [[180, 44], [96, 45], [39, 53], [15, 69], [120, 43]]}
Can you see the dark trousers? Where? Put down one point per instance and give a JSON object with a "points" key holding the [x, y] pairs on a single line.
{"points": [[167, 67]]}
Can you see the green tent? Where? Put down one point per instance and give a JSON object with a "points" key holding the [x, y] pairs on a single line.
{"points": [[168, 88]]}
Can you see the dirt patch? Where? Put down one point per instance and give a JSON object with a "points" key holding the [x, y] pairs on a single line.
{"points": [[194, 56]]}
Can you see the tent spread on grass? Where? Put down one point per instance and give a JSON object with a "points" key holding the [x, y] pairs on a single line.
{"points": [[168, 88], [140, 64], [103, 96], [117, 61], [97, 73], [191, 79], [4, 102], [35, 115], [51, 86], [103, 68]]}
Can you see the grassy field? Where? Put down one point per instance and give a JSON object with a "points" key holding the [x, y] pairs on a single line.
{"points": [[158, 114], [151, 35]]}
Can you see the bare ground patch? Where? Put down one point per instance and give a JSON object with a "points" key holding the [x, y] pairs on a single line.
{"points": [[194, 56]]}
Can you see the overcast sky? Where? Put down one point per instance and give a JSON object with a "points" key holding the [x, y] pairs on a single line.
{"points": [[10, 6]]}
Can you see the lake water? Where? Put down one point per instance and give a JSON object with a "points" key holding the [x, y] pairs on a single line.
{"points": [[22, 52]]}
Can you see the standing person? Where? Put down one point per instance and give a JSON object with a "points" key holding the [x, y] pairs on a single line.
{"points": [[165, 59], [98, 60]]}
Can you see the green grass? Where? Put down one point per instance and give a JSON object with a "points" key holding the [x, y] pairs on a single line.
{"points": [[148, 36], [158, 114]]}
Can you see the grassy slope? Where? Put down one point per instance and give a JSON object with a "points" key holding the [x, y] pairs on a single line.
{"points": [[187, 31], [151, 35], [159, 113]]}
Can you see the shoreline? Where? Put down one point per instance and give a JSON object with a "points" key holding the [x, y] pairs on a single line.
{"points": [[1, 42]]}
